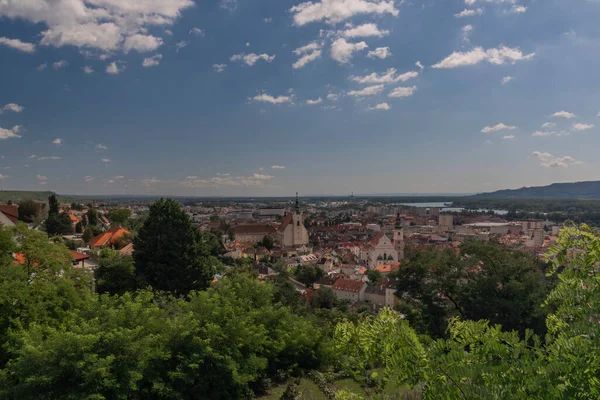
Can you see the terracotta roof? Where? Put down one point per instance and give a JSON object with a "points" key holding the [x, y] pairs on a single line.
{"points": [[11, 212], [254, 229], [78, 257], [387, 268], [127, 250], [286, 221], [348, 285], [376, 239], [109, 237], [73, 218]]}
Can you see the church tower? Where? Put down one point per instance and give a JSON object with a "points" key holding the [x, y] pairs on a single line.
{"points": [[299, 233], [399, 237]]}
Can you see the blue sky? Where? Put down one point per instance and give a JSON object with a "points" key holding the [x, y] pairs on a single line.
{"points": [[270, 97]]}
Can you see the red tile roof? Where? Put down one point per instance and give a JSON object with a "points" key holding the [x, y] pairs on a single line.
{"points": [[73, 218], [286, 221], [78, 257], [109, 237], [376, 239], [11, 212], [348, 285], [127, 250]]}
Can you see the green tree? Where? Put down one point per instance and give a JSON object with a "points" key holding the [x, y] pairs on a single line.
{"points": [[308, 275], [54, 208], [267, 242], [119, 215], [323, 298], [88, 234], [9, 202], [92, 216], [170, 254], [28, 210], [79, 227], [115, 273], [374, 276], [59, 224]]}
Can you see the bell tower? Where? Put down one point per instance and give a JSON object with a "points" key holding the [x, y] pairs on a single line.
{"points": [[399, 237]]}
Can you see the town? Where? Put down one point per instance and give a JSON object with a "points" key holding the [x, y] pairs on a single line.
{"points": [[348, 245]]}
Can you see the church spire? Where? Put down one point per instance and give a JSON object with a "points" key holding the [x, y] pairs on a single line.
{"points": [[398, 221], [297, 208]]}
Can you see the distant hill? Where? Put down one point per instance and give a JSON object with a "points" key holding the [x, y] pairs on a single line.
{"points": [[556, 191], [20, 195]]}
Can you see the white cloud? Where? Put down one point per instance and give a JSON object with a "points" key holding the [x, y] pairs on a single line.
{"points": [[469, 12], [334, 11], [549, 125], [169, 32], [389, 76], [49, 158], [197, 32], [119, 177], [110, 181], [307, 53], [100, 146], [564, 115], [180, 45], [495, 56], [543, 133], [262, 177], [498, 127], [113, 68], [59, 64], [247, 44], [518, 9], [219, 67], [277, 167], [106, 160], [380, 52], [333, 96], [251, 59], [42, 67], [12, 107], [12, 133], [381, 106], [365, 30], [57, 141], [547, 160], [101, 25], [466, 32], [342, 51], [507, 79], [142, 43], [267, 98], [418, 64], [267, 20], [508, 137], [368, 91], [582, 127], [17, 44], [42, 178], [403, 91], [152, 61], [88, 69], [313, 102], [88, 179]]}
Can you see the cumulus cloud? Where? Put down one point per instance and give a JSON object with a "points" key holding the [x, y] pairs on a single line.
{"points": [[466, 32], [543, 133], [42, 67], [267, 98], [380, 106], [365, 30], [390, 76], [196, 32], [12, 133], [87, 69], [100, 25], [180, 45], [549, 125], [469, 12], [342, 51], [564, 115], [518, 9], [403, 91], [313, 102], [219, 67], [307, 53], [380, 52], [582, 127], [106, 160], [498, 127], [277, 167], [114, 68], [494, 56], [17, 44], [152, 61], [335, 11], [59, 64], [333, 96], [547, 160], [251, 59], [508, 137], [507, 79], [368, 91], [418, 64], [12, 107], [100, 146], [57, 141]]}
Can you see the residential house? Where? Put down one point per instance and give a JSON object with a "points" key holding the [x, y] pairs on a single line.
{"points": [[109, 238], [9, 215], [351, 290]]}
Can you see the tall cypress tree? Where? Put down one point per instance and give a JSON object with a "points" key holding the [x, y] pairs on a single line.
{"points": [[171, 254], [53, 203]]}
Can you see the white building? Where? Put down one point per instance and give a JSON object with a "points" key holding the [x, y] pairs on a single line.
{"points": [[382, 251]]}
